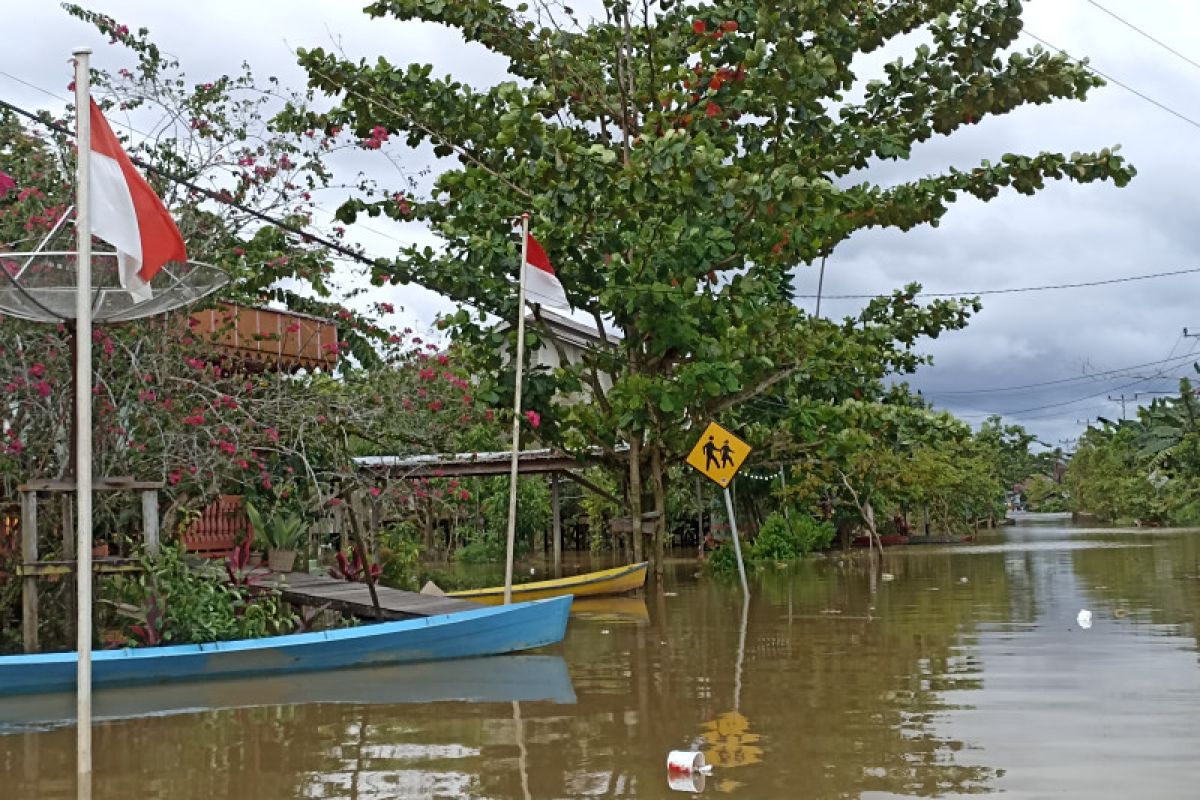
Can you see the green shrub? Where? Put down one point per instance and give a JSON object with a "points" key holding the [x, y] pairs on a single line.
{"points": [[399, 555], [480, 548], [723, 560], [172, 603], [782, 540]]}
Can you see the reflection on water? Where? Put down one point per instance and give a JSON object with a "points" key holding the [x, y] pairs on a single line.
{"points": [[966, 674]]}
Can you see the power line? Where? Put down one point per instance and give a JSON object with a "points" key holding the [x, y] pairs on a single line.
{"points": [[1022, 289], [1158, 42], [1085, 397], [1039, 384], [1113, 80]]}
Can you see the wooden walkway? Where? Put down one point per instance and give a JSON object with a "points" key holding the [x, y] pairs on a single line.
{"points": [[355, 598]]}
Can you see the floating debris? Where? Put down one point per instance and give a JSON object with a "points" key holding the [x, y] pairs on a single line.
{"points": [[1084, 619]]}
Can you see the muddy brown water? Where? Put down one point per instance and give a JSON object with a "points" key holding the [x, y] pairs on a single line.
{"points": [[965, 672]]}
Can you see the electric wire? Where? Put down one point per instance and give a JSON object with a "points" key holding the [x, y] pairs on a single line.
{"points": [[1039, 384], [1115, 81], [1157, 41], [1023, 289]]}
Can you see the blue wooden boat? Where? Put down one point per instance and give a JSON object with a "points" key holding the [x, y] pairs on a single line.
{"points": [[488, 631], [493, 679]]}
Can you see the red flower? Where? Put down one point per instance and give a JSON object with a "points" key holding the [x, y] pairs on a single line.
{"points": [[699, 27], [535, 419], [712, 109], [730, 26]]}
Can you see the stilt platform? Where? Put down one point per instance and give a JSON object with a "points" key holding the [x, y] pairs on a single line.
{"points": [[315, 591]]}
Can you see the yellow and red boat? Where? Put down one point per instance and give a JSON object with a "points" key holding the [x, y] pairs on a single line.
{"points": [[617, 580]]}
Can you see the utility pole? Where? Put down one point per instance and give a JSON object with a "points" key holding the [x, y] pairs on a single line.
{"points": [[1122, 400], [1088, 422]]}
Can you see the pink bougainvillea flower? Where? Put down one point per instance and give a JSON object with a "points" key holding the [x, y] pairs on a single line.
{"points": [[535, 419], [43, 388], [7, 184], [376, 491]]}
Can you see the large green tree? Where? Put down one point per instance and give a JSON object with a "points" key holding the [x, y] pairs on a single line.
{"points": [[680, 161]]}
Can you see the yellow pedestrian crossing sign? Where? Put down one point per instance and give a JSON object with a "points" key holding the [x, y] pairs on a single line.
{"points": [[719, 455]]}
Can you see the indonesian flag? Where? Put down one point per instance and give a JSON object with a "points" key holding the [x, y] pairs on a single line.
{"points": [[541, 284], [127, 213]]}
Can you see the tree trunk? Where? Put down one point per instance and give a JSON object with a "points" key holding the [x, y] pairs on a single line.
{"points": [[660, 506], [635, 494]]}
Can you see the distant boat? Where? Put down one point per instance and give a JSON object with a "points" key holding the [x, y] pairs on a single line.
{"points": [[617, 580], [495, 679], [487, 631]]}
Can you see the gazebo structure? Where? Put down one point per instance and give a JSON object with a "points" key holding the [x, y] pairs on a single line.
{"points": [[554, 463]]}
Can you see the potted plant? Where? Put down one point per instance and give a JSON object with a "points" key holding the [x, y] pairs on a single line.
{"points": [[279, 536]]}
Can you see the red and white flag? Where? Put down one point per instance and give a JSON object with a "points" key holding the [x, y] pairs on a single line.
{"points": [[541, 284], [126, 213]]}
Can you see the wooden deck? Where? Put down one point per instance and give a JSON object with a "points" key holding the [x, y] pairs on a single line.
{"points": [[355, 598]]}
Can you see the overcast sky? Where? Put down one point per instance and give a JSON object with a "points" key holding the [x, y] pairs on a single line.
{"points": [[1066, 234]]}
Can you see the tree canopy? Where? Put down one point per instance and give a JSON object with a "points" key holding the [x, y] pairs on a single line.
{"points": [[680, 161]]}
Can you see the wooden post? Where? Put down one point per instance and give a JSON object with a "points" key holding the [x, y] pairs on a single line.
{"points": [[699, 520], [150, 521], [556, 506], [29, 586]]}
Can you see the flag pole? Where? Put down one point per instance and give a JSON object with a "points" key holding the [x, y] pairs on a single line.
{"points": [[83, 420], [510, 544]]}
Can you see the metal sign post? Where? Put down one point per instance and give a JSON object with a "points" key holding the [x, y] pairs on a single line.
{"points": [[718, 455], [737, 547]]}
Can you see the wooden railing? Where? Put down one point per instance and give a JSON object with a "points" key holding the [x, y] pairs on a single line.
{"points": [[219, 529]]}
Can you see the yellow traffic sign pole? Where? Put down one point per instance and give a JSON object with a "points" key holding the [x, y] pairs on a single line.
{"points": [[737, 547], [718, 455]]}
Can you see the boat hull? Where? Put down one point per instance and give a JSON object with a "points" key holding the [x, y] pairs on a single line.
{"points": [[610, 581], [488, 631]]}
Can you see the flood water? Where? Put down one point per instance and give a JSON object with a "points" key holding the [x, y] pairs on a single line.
{"points": [[963, 670]]}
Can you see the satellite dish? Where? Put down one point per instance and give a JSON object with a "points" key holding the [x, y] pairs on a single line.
{"points": [[40, 287]]}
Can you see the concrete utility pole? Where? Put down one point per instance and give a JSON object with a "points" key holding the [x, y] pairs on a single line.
{"points": [[1122, 400]]}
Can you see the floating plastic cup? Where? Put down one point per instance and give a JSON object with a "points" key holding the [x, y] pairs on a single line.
{"points": [[685, 762], [691, 782]]}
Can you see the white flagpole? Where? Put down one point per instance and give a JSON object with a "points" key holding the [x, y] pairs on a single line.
{"points": [[83, 419], [516, 430]]}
